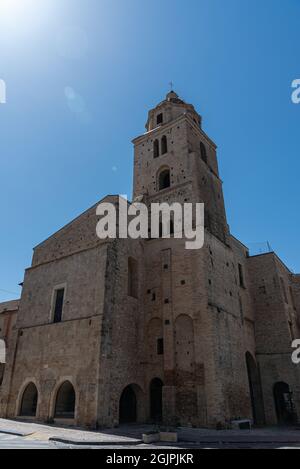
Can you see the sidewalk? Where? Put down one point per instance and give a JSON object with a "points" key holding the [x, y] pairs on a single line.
{"points": [[64, 435], [132, 435]]}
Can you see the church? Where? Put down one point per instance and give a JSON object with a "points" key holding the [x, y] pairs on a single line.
{"points": [[110, 332]]}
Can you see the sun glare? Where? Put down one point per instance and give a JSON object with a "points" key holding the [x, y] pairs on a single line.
{"points": [[15, 8], [20, 15]]}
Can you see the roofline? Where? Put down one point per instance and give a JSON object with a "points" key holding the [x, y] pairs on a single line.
{"points": [[273, 253], [239, 241], [74, 220], [166, 126]]}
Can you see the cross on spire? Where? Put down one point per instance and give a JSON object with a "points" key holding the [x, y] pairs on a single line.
{"points": [[171, 85]]}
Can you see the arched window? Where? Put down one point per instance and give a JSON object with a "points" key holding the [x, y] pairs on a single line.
{"points": [[65, 402], [29, 401], [203, 152], [156, 149], [160, 119], [164, 145], [164, 179]]}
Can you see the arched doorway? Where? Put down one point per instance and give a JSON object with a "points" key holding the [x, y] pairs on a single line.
{"points": [[29, 401], [284, 404], [255, 390], [65, 402], [156, 411], [128, 406]]}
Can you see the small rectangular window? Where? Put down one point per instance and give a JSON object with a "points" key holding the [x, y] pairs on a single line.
{"points": [[160, 119], [59, 303], [241, 276], [160, 346]]}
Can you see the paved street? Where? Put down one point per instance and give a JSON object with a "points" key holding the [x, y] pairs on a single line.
{"points": [[27, 443], [17, 442], [29, 435]]}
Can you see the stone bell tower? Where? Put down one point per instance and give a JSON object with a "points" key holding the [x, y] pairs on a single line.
{"points": [[175, 161]]}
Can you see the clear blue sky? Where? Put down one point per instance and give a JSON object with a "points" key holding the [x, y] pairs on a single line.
{"points": [[81, 76]]}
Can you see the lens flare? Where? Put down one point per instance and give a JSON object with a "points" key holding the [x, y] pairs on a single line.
{"points": [[19, 16]]}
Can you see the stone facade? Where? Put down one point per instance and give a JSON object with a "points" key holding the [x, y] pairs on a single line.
{"points": [[146, 331]]}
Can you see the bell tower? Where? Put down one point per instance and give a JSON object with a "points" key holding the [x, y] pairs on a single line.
{"points": [[175, 161]]}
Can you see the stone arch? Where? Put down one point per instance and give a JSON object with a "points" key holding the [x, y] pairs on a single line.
{"points": [[156, 400], [130, 405], [255, 389], [185, 349], [65, 401], [164, 178], [29, 401], [284, 404]]}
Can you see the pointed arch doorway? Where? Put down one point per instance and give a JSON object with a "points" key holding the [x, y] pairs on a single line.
{"points": [[128, 406], [284, 404], [156, 401]]}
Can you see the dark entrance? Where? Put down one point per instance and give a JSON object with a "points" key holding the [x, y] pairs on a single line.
{"points": [[285, 409], [156, 413], [29, 401], [128, 406], [65, 402]]}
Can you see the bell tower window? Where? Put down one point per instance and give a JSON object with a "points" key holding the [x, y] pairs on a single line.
{"points": [[164, 145], [160, 119], [156, 149], [164, 179]]}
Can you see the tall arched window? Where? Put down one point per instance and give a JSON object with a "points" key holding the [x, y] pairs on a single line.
{"points": [[164, 145], [29, 401], [203, 152], [65, 401], [164, 179], [156, 149]]}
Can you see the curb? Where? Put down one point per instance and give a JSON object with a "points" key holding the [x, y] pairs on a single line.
{"points": [[95, 443], [241, 442], [12, 433]]}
